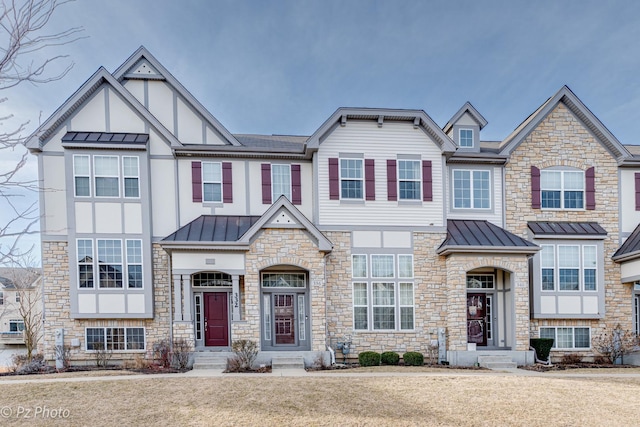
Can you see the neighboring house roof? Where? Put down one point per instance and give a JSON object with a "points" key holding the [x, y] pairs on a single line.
{"points": [[418, 117], [36, 140], [237, 232], [473, 236], [280, 142], [466, 108], [554, 229], [630, 249], [213, 228], [568, 98], [10, 275], [159, 72]]}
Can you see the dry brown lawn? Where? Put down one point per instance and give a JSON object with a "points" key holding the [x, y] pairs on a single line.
{"points": [[477, 400]]}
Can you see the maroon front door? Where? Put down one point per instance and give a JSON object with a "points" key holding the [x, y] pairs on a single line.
{"points": [[476, 319], [216, 319]]}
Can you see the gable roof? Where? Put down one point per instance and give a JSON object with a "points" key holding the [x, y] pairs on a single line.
{"points": [[418, 117], [101, 77], [159, 72], [630, 249], [474, 236], [466, 108], [573, 103], [226, 232]]}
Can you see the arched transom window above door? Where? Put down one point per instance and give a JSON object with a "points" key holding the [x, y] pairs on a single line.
{"points": [[212, 278]]}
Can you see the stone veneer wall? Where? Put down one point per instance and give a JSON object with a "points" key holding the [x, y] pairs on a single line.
{"points": [[55, 259], [286, 246], [562, 140], [430, 297]]}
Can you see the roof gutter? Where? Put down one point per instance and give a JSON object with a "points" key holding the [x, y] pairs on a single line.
{"points": [[520, 250]]}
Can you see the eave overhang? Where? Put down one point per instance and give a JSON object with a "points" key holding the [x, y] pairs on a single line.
{"points": [[513, 250]]}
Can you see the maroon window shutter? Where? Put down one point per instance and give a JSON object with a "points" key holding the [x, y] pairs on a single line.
{"points": [[637, 175], [370, 178], [535, 187], [196, 181], [334, 179], [296, 185], [392, 186], [227, 185], [590, 177], [266, 183], [427, 181]]}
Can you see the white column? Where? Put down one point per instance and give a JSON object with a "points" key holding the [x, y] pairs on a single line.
{"points": [[235, 297], [186, 281], [177, 297]]}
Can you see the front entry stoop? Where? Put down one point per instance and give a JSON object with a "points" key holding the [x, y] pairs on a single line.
{"points": [[496, 362], [287, 362], [207, 360]]}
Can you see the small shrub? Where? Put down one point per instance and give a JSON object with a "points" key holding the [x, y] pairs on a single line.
{"points": [[181, 353], [542, 347], [63, 353], [390, 358], [22, 365], [101, 354], [571, 359], [369, 358], [432, 354], [246, 352], [162, 353], [601, 360], [413, 358], [614, 344]]}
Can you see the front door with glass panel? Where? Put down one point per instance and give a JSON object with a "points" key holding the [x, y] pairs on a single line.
{"points": [[480, 309], [216, 319], [285, 322]]}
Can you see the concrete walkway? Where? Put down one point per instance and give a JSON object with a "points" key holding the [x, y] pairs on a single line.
{"points": [[217, 373]]}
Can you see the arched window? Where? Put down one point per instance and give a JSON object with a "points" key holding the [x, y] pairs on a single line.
{"points": [[212, 278]]}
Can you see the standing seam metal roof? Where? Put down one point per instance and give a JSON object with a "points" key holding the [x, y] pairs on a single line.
{"points": [[567, 228], [213, 228], [631, 245], [481, 233]]}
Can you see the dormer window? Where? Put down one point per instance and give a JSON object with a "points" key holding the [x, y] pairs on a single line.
{"points": [[466, 138]]}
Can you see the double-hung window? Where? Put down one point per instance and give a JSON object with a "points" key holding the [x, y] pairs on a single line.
{"points": [[568, 267], [106, 172], [85, 263], [562, 189], [134, 264], [351, 179], [471, 189], [280, 181], [131, 176], [384, 299], [409, 179], [115, 339], [466, 138], [81, 176], [112, 262], [211, 182]]}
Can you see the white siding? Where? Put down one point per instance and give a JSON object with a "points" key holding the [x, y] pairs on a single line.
{"points": [[92, 115], [213, 138], [207, 261], [122, 117], [55, 196], [493, 215], [380, 144], [163, 201], [189, 125], [466, 120], [157, 145], [136, 88], [161, 103], [630, 216]]}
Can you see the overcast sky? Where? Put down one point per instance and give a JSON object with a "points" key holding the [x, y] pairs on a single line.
{"points": [[282, 67]]}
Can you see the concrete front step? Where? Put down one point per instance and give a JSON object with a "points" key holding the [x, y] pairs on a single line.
{"points": [[496, 362], [287, 362], [209, 361]]}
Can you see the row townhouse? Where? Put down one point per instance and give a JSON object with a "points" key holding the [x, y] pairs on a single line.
{"points": [[382, 229]]}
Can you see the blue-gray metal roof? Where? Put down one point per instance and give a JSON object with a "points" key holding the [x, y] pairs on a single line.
{"points": [[482, 236], [566, 228], [630, 249], [213, 228], [106, 137]]}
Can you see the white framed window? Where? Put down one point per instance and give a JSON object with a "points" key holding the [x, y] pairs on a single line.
{"points": [[352, 179], [16, 325], [131, 176], [568, 337], [81, 176], [115, 339], [84, 249], [284, 280], [480, 281], [1, 298], [385, 302], [465, 137], [134, 264], [562, 189], [405, 266], [471, 189], [107, 176], [358, 266], [382, 266], [211, 182], [280, 181], [569, 268], [409, 180], [17, 297], [110, 263]]}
